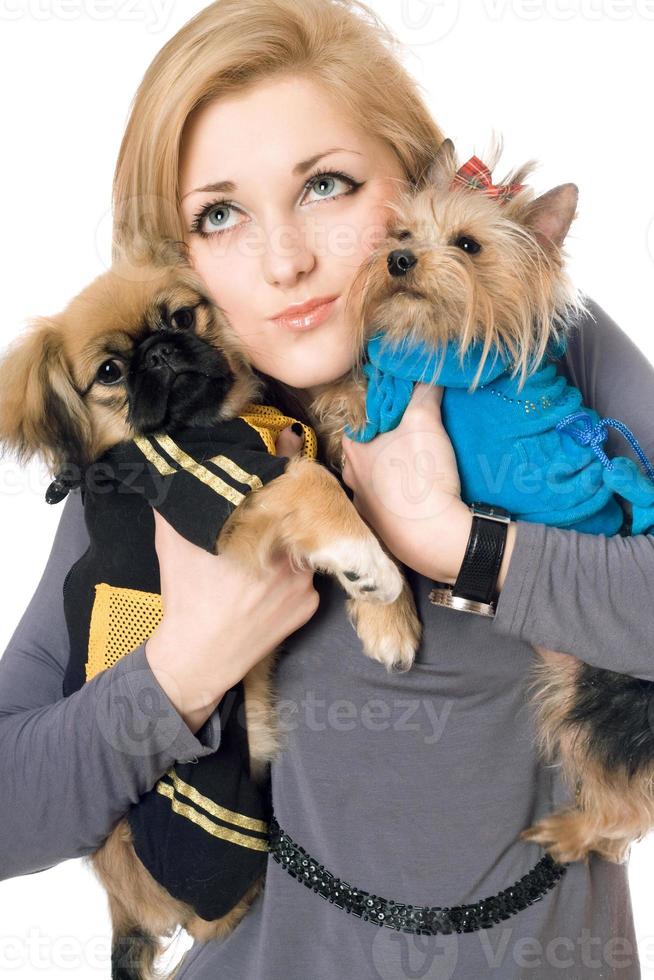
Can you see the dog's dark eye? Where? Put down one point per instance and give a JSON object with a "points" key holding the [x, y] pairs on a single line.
{"points": [[402, 235], [184, 318], [468, 245], [109, 372]]}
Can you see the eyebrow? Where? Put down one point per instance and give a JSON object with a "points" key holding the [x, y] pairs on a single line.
{"points": [[228, 186]]}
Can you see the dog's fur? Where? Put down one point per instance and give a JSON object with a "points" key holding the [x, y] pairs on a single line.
{"points": [[53, 406], [595, 724]]}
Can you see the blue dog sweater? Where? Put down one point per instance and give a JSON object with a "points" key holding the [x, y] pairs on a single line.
{"points": [[536, 451]]}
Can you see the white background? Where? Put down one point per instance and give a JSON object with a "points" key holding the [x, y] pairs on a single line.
{"points": [[566, 81]]}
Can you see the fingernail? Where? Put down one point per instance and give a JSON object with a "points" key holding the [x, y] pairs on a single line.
{"points": [[297, 429]]}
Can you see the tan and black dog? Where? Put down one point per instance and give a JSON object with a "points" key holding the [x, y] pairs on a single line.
{"points": [[139, 353]]}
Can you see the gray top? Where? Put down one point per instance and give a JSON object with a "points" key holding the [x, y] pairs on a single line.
{"points": [[413, 786]]}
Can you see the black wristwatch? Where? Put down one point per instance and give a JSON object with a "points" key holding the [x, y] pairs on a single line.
{"points": [[475, 589]]}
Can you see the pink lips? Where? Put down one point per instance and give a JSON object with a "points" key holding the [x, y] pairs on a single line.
{"points": [[304, 316]]}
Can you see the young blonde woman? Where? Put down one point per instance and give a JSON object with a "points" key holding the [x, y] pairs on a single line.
{"points": [[271, 135]]}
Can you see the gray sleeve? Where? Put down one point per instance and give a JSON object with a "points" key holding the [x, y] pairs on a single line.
{"points": [[70, 768], [588, 594]]}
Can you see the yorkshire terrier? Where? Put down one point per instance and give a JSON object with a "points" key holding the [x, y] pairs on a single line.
{"points": [[140, 354], [469, 290]]}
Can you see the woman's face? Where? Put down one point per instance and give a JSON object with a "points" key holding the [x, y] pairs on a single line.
{"points": [[304, 200]]}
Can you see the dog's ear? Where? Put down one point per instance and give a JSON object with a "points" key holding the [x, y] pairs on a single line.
{"points": [[443, 167], [41, 412], [549, 217], [159, 252], [170, 252]]}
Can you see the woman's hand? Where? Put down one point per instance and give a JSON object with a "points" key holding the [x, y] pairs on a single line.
{"points": [[407, 488], [219, 618]]}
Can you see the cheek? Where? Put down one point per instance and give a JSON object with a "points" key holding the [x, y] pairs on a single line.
{"points": [[225, 279], [372, 222], [344, 236], [382, 205]]}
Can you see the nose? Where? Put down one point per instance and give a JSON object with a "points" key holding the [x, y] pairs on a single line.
{"points": [[400, 260], [289, 251], [161, 353]]}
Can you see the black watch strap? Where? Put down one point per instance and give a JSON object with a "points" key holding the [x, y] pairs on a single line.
{"points": [[477, 578]]}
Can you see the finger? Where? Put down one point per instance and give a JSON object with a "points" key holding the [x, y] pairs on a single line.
{"points": [[426, 394], [424, 405], [289, 442]]}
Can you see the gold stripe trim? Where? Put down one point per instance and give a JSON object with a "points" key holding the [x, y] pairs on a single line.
{"points": [[199, 471], [162, 465], [235, 471], [184, 810], [230, 816]]}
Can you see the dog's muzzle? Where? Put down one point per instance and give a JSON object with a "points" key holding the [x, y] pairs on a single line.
{"points": [[176, 379], [165, 354]]}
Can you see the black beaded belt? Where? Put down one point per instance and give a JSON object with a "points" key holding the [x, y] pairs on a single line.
{"points": [[423, 920]]}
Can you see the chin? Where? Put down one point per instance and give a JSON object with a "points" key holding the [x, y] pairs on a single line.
{"points": [[309, 376], [318, 360]]}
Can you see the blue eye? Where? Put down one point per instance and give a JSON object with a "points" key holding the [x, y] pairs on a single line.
{"points": [[321, 182], [220, 211], [329, 178], [215, 214], [217, 217], [324, 180]]}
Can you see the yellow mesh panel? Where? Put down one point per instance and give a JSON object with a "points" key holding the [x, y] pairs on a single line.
{"points": [[121, 619], [269, 422]]}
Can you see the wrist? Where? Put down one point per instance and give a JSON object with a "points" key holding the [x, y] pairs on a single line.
{"points": [[506, 558], [193, 697], [443, 564], [446, 565]]}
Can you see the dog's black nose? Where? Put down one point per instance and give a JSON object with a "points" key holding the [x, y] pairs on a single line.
{"points": [[400, 261], [162, 352]]}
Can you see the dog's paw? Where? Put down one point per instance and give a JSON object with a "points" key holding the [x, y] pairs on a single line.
{"points": [[361, 567], [564, 835], [389, 634]]}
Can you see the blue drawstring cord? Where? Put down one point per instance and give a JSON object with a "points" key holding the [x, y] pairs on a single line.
{"points": [[594, 435]]}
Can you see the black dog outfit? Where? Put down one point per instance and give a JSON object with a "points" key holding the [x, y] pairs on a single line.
{"points": [[202, 831]]}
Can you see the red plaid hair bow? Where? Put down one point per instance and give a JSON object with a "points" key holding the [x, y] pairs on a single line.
{"points": [[475, 173]]}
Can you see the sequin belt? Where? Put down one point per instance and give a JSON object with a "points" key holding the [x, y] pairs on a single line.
{"points": [[423, 920]]}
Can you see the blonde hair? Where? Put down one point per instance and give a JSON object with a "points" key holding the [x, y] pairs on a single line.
{"points": [[230, 46]]}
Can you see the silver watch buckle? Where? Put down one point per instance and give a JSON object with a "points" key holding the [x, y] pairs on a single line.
{"points": [[478, 512], [443, 596]]}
